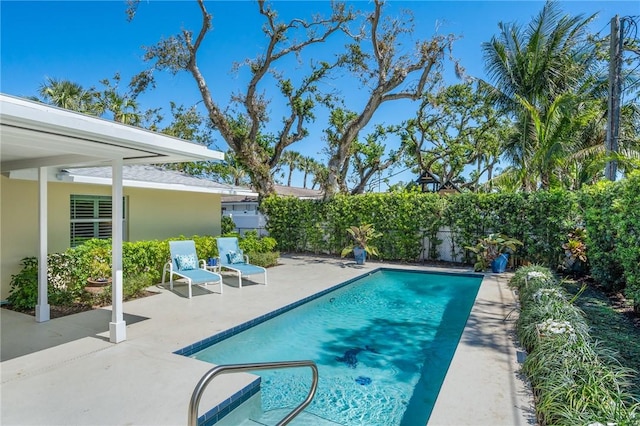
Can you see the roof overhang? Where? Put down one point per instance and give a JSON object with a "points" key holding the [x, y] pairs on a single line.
{"points": [[62, 175], [37, 135]]}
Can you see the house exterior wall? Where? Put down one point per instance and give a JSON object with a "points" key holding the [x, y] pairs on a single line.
{"points": [[152, 214], [158, 214], [18, 227]]}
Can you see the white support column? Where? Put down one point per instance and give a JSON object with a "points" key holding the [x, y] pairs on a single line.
{"points": [[117, 326], [43, 310]]}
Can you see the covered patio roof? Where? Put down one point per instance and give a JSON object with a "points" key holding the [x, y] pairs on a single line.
{"points": [[41, 139], [38, 135]]}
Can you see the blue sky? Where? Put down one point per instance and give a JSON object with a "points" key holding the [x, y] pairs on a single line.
{"points": [[87, 41]]}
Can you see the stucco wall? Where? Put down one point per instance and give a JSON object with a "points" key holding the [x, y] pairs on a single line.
{"points": [[157, 214], [153, 214]]}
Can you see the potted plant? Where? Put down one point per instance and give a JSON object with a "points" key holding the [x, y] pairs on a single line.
{"points": [[99, 272], [361, 236], [575, 252], [493, 250]]}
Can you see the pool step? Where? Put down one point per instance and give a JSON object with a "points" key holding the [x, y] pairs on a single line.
{"points": [[272, 417]]}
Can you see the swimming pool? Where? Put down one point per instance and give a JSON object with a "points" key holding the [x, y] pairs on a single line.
{"points": [[383, 344]]}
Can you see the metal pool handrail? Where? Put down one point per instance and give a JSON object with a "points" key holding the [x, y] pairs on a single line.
{"points": [[232, 368]]}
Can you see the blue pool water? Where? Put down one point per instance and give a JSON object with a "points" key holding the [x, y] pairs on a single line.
{"points": [[383, 345]]}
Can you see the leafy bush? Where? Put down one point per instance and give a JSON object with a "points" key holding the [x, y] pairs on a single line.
{"points": [[24, 285], [601, 216], [628, 242], [135, 285], [228, 225], [61, 282], [261, 250], [252, 243], [266, 260]]}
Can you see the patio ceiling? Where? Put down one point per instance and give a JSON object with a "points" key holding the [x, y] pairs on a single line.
{"points": [[42, 139], [37, 135]]}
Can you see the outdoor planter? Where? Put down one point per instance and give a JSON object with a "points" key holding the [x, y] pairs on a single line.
{"points": [[97, 286], [499, 264], [360, 255], [361, 236]]}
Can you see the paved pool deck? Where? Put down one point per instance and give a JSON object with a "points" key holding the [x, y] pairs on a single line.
{"points": [[65, 371]]}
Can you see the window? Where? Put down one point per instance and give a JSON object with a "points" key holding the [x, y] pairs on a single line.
{"points": [[91, 218]]}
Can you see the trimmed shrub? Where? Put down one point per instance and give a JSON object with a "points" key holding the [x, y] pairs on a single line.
{"points": [[628, 242], [601, 215]]}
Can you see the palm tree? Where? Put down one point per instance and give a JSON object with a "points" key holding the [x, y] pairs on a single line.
{"points": [[292, 160], [307, 165], [320, 175], [124, 109], [69, 95], [534, 69]]}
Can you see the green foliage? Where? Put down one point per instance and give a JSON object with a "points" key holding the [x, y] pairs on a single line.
{"points": [[628, 244], [144, 257], [135, 284], [297, 225], [573, 379], [228, 225], [403, 218], [362, 236], [540, 220], [266, 260], [488, 248], [251, 243], [206, 246], [24, 285], [61, 282], [89, 254], [601, 218]]}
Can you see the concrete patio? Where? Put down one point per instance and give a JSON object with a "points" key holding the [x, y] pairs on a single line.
{"points": [[65, 371]]}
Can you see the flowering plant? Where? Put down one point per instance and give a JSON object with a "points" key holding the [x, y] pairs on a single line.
{"points": [[537, 274], [547, 293], [551, 327]]}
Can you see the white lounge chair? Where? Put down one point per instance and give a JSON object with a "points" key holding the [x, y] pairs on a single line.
{"points": [[232, 258], [185, 264]]}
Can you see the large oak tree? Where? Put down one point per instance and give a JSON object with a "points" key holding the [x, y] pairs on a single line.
{"points": [[375, 57]]}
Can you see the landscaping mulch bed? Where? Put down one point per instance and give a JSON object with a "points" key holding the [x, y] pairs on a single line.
{"points": [[62, 311]]}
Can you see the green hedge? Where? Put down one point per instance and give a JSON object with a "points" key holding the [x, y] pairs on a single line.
{"points": [[542, 220], [628, 244], [612, 221]]}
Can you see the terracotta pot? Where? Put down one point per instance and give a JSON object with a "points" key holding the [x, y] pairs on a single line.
{"points": [[97, 286]]}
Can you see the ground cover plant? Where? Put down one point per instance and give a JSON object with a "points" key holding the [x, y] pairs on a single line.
{"points": [[575, 379], [611, 321]]}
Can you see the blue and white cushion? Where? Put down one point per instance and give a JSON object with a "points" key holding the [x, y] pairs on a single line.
{"points": [[235, 257], [186, 262]]}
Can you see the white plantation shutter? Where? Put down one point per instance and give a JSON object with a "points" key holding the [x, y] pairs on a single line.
{"points": [[91, 218]]}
